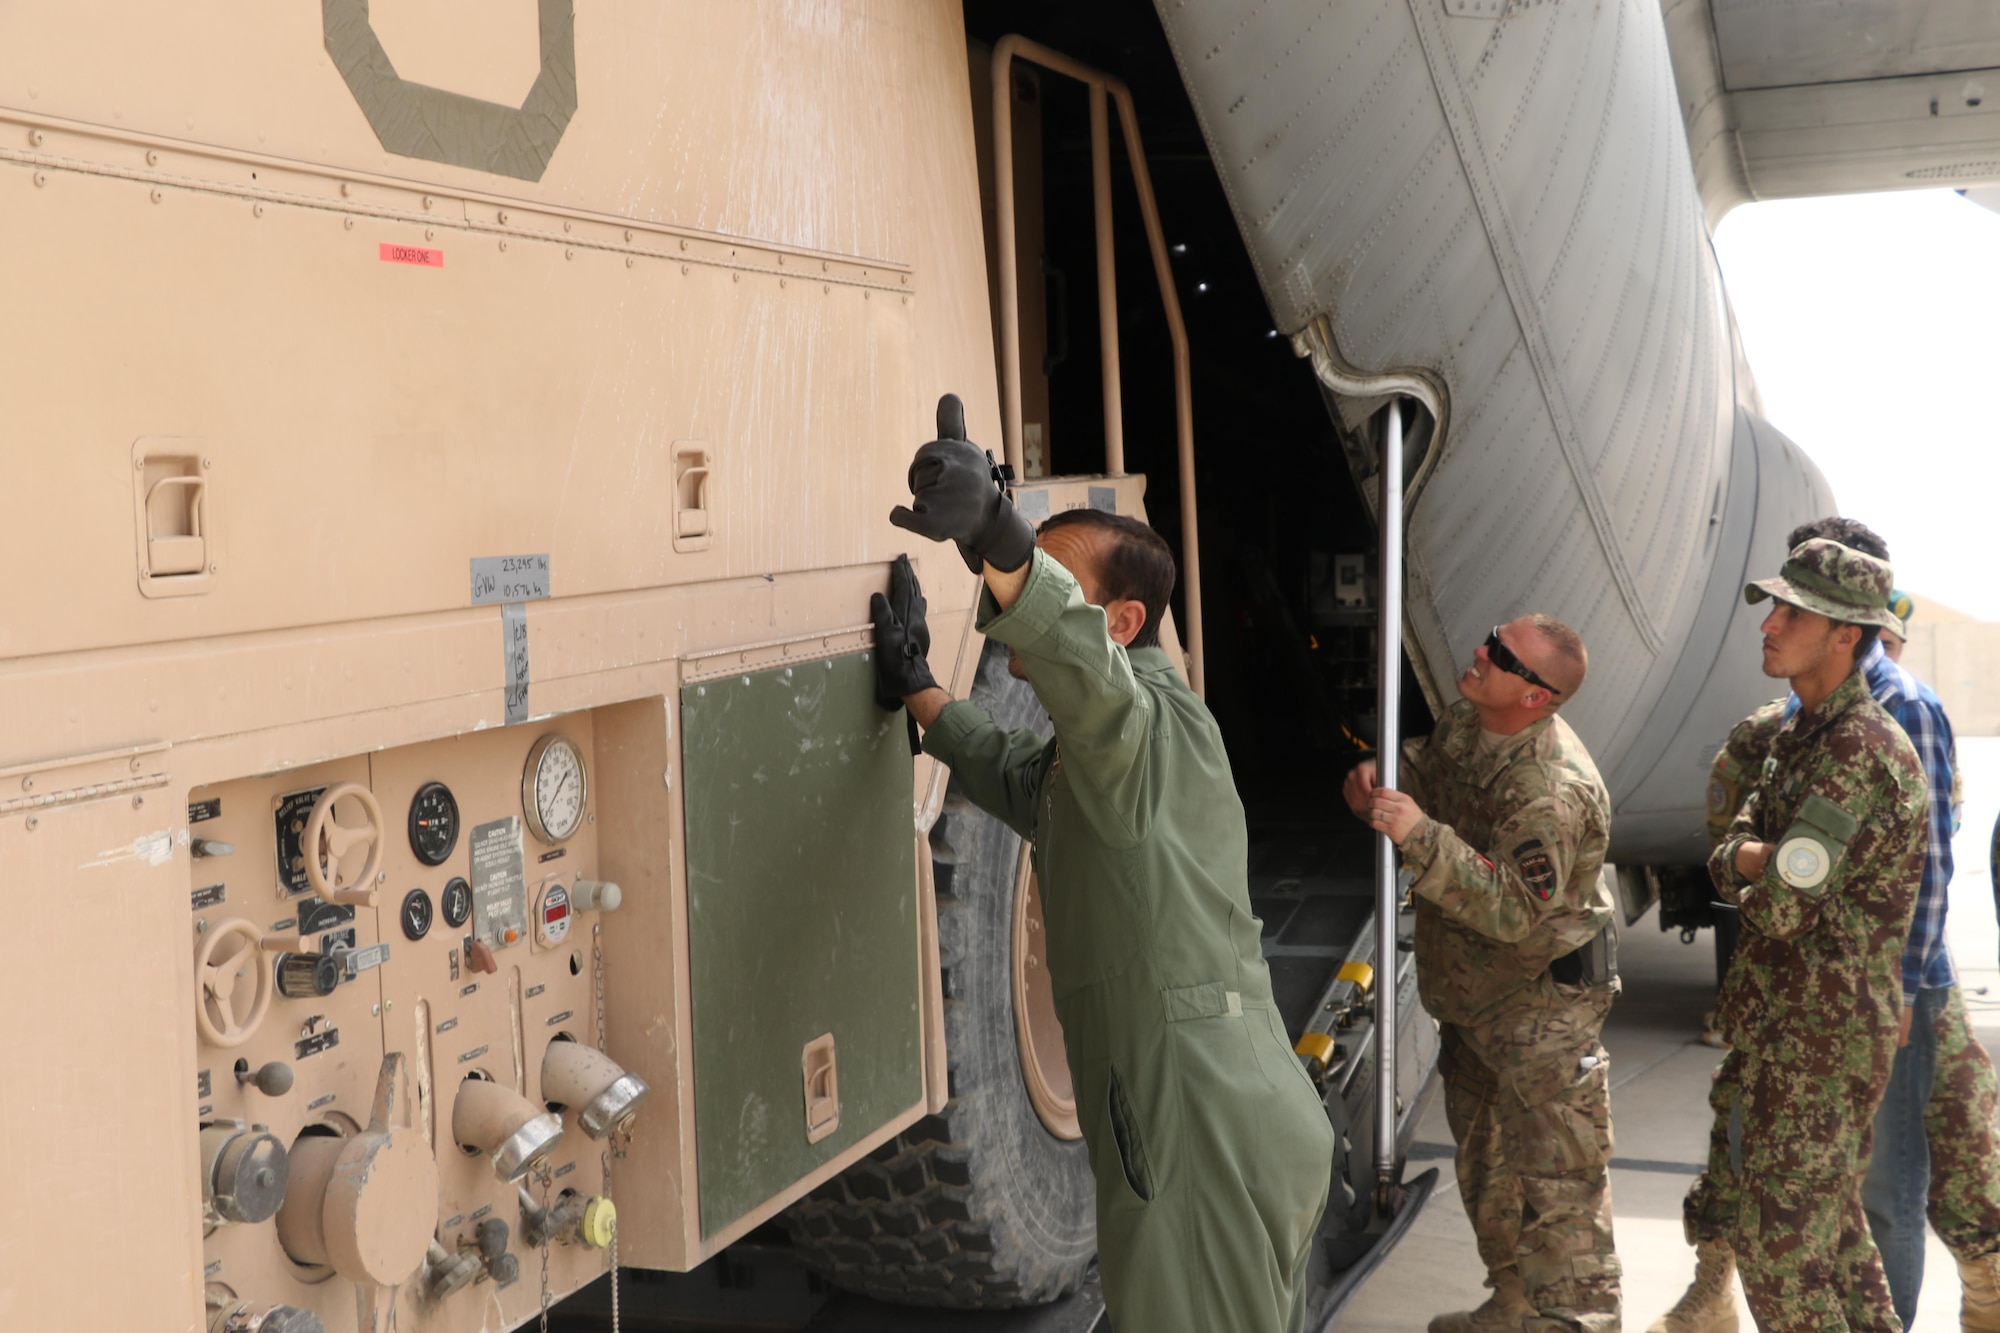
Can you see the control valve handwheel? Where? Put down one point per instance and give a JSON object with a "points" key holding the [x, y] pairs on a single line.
{"points": [[233, 983], [332, 848]]}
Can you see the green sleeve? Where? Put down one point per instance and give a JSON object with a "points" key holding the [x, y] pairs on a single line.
{"points": [[1722, 861], [1103, 718], [999, 771], [1517, 891]]}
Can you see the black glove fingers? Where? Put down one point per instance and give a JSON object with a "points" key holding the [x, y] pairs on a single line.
{"points": [[906, 595], [953, 498], [950, 418]]}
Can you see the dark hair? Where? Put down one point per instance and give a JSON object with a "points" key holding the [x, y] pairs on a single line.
{"points": [[1846, 531], [1134, 565], [1869, 633]]}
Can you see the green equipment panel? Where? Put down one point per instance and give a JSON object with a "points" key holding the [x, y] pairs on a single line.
{"points": [[802, 902]]}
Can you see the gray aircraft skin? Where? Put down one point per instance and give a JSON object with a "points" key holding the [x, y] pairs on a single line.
{"points": [[1491, 206]]}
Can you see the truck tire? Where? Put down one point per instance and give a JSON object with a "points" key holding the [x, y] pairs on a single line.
{"points": [[979, 1206]]}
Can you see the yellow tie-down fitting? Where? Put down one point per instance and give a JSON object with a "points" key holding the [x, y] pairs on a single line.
{"points": [[573, 1219], [1316, 1051]]}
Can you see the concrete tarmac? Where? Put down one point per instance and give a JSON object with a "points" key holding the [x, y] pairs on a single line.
{"points": [[1659, 1103]]}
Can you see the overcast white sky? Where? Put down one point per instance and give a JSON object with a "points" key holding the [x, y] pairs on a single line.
{"points": [[1873, 325]]}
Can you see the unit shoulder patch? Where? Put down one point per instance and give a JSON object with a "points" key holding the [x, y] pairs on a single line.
{"points": [[1539, 872]]}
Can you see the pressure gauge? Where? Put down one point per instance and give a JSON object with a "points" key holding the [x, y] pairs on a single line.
{"points": [[553, 788], [416, 914], [457, 902], [433, 824]]}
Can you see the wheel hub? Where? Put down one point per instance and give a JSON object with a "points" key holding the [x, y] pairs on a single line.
{"points": [[1044, 1059]]}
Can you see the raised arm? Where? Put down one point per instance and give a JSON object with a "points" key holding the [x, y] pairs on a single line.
{"points": [[1103, 719]]}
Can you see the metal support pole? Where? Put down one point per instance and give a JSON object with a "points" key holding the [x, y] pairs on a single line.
{"points": [[1388, 756], [1107, 284], [1005, 52], [1011, 445]]}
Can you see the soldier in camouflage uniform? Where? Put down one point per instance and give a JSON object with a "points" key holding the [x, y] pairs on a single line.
{"points": [[1709, 1305], [1935, 1146], [1823, 860], [1503, 821]]}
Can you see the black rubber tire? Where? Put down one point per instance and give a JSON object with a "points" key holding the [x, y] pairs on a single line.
{"points": [[979, 1206]]}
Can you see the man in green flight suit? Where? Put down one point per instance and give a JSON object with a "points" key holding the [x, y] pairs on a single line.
{"points": [[1823, 859], [1503, 821], [1211, 1150]]}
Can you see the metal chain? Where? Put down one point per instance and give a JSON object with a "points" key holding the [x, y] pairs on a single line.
{"points": [[615, 1145], [597, 978], [545, 1176], [605, 1162]]}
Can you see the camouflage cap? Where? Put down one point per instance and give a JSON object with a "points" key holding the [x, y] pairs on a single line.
{"points": [[1836, 581]]}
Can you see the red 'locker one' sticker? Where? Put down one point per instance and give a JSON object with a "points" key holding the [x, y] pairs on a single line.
{"points": [[412, 254]]}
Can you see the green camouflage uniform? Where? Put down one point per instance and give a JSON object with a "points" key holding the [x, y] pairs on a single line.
{"points": [[1738, 766], [1959, 1117], [1964, 1103], [1508, 878], [1811, 1008], [1211, 1150]]}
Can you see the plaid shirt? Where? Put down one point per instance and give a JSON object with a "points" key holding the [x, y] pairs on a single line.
{"points": [[1916, 708]]}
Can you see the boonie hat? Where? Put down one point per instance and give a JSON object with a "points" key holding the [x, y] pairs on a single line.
{"points": [[1836, 581]]}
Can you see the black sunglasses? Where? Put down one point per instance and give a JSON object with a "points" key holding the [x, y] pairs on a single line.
{"points": [[1500, 655]]}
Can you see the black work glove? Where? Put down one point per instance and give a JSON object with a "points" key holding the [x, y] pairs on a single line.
{"points": [[956, 496], [902, 638]]}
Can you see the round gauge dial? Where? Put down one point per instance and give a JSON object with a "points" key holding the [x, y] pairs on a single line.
{"points": [[433, 823], [553, 788], [416, 914], [456, 901]]}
